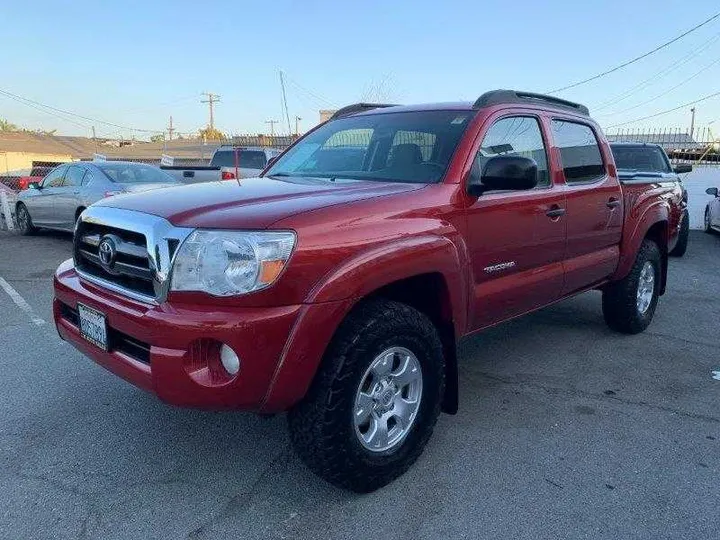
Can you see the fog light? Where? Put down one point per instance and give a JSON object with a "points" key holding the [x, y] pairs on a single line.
{"points": [[229, 359]]}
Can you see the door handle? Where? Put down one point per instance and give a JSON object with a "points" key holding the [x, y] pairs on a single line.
{"points": [[613, 203], [555, 211]]}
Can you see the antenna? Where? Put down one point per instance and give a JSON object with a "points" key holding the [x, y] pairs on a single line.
{"points": [[287, 115]]}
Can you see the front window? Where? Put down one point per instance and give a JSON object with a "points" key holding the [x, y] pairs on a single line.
{"points": [[393, 147], [135, 173], [640, 158]]}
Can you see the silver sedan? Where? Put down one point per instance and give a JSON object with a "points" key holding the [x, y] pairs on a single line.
{"points": [[57, 201]]}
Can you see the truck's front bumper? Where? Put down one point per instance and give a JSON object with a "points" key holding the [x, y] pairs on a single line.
{"points": [[168, 349]]}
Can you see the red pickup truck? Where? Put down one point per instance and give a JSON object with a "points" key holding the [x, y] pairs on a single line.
{"points": [[337, 284]]}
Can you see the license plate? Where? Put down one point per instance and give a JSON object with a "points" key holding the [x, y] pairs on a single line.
{"points": [[93, 326]]}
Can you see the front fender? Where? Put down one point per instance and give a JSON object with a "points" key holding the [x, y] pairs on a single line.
{"points": [[370, 270]]}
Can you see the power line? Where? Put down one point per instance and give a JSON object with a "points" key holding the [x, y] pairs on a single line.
{"points": [[628, 93], [637, 58], [326, 102], [666, 92], [665, 112], [64, 118], [70, 113]]}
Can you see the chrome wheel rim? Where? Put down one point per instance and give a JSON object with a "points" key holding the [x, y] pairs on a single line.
{"points": [[23, 218], [388, 399], [646, 287]]}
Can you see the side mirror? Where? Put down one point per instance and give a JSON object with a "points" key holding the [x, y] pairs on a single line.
{"points": [[712, 191], [504, 172], [34, 185], [682, 169]]}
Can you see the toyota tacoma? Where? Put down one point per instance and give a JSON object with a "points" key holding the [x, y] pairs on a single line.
{"points": [[336, 285]]}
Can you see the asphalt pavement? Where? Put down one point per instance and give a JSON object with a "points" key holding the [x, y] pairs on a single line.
{"points": [[565, 430]]}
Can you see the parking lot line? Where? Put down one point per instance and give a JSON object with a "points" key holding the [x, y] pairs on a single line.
{"points": [[20, 302]]}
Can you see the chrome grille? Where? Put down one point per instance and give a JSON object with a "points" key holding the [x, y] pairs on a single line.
{"points": [[128, 252]]}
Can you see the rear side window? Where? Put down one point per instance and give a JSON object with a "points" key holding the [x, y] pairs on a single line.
{"points": [[74, 176], [515, 136], [579, 151], [247, 159]]}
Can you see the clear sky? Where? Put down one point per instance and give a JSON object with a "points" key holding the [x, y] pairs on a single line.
{"points": [[136, 63]]}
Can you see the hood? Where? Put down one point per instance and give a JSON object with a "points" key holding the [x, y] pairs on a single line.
{"points": [[252, 203], [139, 188]]}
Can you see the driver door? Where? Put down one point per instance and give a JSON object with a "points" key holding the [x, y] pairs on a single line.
{"points": [[41, 204], [516, 238]]}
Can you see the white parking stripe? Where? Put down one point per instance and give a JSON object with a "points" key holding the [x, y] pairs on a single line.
{"points": [[20, 302]]}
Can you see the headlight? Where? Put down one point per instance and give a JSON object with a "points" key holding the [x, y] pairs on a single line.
{"points": [[226, 263]]}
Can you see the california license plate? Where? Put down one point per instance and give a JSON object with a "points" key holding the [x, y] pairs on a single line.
{"points": [[93, 326]]}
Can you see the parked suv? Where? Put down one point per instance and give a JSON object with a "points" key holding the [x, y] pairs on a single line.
{"points": [[336, 286], [643, 162]]}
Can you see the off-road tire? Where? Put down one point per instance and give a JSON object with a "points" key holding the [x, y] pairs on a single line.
{"points": [[681, 246], [26, 227], [321, 425], [619, 301]]}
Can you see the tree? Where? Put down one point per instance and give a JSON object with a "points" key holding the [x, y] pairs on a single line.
{"points": [[160, 137], [212, 134], [7, 127]]}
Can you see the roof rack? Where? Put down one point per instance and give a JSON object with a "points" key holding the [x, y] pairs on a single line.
{"points": [[496, 97], [359, 107]]}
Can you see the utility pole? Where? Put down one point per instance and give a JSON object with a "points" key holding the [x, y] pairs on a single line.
{"points": [[211, 100], [171, 129], [692, 121], [297, 125], [272, 126]]}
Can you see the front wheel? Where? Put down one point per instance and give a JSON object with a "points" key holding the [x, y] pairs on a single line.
{"points": [[24, 220], [375, 399], [629, 304], [682, 242]]}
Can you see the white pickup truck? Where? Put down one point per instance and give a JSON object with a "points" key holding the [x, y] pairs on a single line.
{"points": [[228, 163]]}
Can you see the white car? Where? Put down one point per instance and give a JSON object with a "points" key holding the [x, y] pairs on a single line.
{"points": [[712, 211]]}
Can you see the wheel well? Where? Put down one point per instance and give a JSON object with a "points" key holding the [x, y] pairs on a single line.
{"points": [[658, 233], [428, 293], [78, 212]]}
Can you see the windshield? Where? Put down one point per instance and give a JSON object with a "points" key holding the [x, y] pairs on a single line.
{"points": [[640, 158], [135, 173], [247, 159], [394, 147]]}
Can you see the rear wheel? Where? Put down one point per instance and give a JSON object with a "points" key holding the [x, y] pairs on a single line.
{"points": [[24, 220], [375, 399], [681, 246], [629, 304]]}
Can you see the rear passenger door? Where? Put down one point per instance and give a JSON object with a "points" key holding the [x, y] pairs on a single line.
{"points": [[516, 238], [594, 205]]}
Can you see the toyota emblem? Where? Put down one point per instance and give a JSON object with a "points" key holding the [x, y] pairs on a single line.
{"points": [[107, 253]]}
